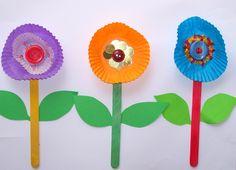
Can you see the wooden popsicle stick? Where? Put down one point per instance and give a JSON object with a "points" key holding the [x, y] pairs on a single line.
{"points": [[195, 125], [34, 122], [116, 123]]}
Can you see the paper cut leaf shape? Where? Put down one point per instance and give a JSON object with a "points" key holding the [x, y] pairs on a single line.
{"points": [[56, 105], [12, 107], [217, 108], [143, 114], [92, 111], [177, 111]]}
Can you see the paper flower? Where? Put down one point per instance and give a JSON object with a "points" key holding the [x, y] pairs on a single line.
{"points": [[118, 53], [32, 53], [200, 56], [200, 50]]}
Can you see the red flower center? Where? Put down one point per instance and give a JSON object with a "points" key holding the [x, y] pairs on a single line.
{"points": [[198, 50], [118, 55], [34, 54]]}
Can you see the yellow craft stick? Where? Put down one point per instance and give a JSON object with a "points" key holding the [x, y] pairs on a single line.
{"points": [[34, 122]]}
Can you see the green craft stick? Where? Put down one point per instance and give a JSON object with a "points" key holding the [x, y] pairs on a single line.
{"points": [[116, 122]]}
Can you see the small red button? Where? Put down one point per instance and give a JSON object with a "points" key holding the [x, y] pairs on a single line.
{"points": [[34, 54], [198, 50]]}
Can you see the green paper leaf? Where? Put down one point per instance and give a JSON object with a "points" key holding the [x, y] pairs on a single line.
{"points": [[217, 108], [143, 114], [92, 111], [177, 111], [12, 107], [56, 104]]}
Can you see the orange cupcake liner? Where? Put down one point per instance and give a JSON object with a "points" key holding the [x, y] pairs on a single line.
{"points": [[100, 65]]}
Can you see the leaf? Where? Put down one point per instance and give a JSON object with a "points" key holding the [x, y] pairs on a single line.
{"points": [[143, 114], [177, 111], [56, 104], [92, 111], [217, 108], [12, 107]]}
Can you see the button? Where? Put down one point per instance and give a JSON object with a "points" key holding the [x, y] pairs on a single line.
{"points": [[34, 54], [198, 50]]}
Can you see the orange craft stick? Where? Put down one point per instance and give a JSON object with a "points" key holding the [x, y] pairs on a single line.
{"points": [[34, 122]]}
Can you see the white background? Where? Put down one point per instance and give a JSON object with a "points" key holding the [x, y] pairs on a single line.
{"points": [[69, 143]]}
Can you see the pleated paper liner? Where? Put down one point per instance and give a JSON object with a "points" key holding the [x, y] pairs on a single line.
{"points": [[14, 46], [22, 42], [100, 65], [213, 68]]}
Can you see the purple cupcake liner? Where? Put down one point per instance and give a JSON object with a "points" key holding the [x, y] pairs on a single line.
{"points": [[14, 69]]}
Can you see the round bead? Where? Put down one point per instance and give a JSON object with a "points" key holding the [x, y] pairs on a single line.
{"points": [[34, 54], [118, 55]]}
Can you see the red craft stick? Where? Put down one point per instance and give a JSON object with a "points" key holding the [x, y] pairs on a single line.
{"points": [[196, 109]]}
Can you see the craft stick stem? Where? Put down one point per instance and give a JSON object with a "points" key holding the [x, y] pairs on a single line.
{"points": [[116, 123], [34, 122], [195, 125]]}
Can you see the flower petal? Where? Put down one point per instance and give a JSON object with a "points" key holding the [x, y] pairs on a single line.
{"points": [[215, 67], [20, 71], [121, 32]]}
